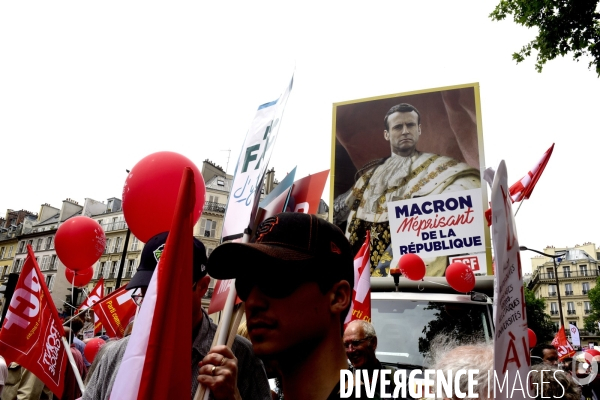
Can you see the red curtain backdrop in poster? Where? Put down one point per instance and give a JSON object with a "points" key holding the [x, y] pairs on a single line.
{"points": [[115, 311], [31, 334]]}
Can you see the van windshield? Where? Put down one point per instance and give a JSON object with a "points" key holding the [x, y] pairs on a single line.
{"points": [[406, 327]]}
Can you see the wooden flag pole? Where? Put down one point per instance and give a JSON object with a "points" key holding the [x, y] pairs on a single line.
{"points": [[73, 365]]}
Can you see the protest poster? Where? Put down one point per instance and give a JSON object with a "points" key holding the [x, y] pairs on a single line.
{"points": [[414, 147]]}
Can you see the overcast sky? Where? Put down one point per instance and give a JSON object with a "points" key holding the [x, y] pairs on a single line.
{"points": [[87, 89]]}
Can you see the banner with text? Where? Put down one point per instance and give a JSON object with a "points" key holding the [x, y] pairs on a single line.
{"points": [[252, 164], [115, 311], [438, 225]]}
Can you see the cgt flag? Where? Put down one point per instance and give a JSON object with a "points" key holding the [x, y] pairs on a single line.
{"points": [[115, 311], [562, 345], [361, 297], [95, 295], [31, 334]]}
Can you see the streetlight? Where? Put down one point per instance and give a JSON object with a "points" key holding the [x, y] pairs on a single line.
{"points": [[553, 257]]}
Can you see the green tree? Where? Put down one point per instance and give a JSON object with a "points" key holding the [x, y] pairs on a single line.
{"points": [[565, 26], [537, 319], [594, 296]]}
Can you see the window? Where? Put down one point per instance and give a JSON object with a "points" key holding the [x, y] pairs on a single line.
{"points": [[134, 244], [568, 289], [570, 308], [4, 271], [220, 182], [574, 323], [2, 252], [567, 271], [21, 247], [108, 290], [49, 244], [50, 281], [208, 227], [103, 269], [107, 248], [550, 273], [45, 263], [10, 249], [553, 308], [552, 290], [587, 307], [53, 262], [586, 287], [130, 268], [115, 269], [117, 245], [96, 270]]}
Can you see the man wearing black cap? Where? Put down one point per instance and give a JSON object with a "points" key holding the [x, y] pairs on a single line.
{"points": [[296, 277], [240, 373]]}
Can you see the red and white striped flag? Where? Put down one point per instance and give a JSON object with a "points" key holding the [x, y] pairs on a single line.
{"points": [[31, 334], [157, 361], [522, 189], [95, 295], [361, 297]]}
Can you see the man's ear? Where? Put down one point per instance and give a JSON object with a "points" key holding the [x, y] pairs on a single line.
{"points": [[202, 285], [341, 296], [386, 135]]}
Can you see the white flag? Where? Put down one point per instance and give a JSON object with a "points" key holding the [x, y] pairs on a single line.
{"points": [[252, 164], [574, 335]]}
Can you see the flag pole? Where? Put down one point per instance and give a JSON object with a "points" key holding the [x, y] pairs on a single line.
{"points": [[73, 365]]}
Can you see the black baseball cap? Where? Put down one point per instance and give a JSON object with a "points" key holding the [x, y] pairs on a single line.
{"points": [[315, 250], [151, 254]]}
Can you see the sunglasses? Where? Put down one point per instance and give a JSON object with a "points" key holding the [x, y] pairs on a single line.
{"points": [[277, 287]]}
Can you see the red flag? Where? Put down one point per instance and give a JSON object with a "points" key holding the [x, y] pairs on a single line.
{"points": [[31, 334], [307, 192], [95, 295], [522, 189], [562, 345], [156, 364], [115, 311], [361, 297]]}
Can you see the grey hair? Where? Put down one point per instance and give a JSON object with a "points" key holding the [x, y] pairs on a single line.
{"points": [[448, 354], [554, 383], [367, 328]]}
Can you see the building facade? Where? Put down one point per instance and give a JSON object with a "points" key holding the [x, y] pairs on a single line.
{"points": [[576, 271]]}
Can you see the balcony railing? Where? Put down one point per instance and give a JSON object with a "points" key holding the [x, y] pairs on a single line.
{"points": [[571, 312], [214, 207], [587, 311], [553, 312], [571, 274], [114, 226], [552, 294], [584, 291], [569, 293]]}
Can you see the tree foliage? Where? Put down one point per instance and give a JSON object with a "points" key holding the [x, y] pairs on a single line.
{"points": [[537, 319], [565, 26], [590, 322]]}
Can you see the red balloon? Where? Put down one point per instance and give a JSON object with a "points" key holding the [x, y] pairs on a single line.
{"points": [[92, 347], [532, 338], [79, 278], [150, 193], [412, 266], [460, 277], [79, 242]]}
